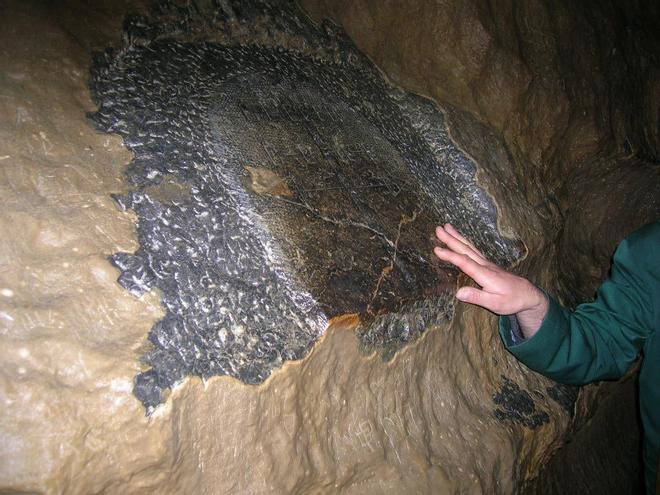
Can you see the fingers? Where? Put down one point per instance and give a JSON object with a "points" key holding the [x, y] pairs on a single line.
{"points": [[450, 228], [478, 272], [459, 244], [479, 297]]}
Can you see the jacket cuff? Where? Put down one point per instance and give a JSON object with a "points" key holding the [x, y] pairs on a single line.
{"points": [[516, 333], [534, 352]]}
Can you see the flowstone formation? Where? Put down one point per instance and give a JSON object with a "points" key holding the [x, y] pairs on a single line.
{"points": [[279, 181], [453, 413]]}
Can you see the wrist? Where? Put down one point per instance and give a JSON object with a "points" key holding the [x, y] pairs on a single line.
{"points": [[531, 317]]}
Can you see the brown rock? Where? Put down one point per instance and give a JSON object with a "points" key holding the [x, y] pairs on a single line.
{"points": [[536, 93]]}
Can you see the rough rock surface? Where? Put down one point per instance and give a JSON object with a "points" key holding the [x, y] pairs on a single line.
{"points": [[336, 421], [278, 189], [558, 81], [571, 91]]}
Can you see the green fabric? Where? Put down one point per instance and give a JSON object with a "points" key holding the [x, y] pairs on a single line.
{"points": [[602, 339]]}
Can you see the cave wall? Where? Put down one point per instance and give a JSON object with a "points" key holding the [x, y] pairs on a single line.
{"points": [[538, 97], [571, 90], [558, 81], [570, 94], [338, 177]]}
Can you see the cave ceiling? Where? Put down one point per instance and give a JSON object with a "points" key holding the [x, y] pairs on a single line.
{"points": [[279, 181]]}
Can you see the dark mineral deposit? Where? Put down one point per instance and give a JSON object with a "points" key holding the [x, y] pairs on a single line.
{"points": [[518, 406], [279, 181], [564, 395]]}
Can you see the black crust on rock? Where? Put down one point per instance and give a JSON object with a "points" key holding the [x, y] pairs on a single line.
{"points": [[564, 395], [517, 406], [250, 279]]}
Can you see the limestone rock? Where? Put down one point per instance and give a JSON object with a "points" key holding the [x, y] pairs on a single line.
{"points": [[449, 413], [338, 217]]}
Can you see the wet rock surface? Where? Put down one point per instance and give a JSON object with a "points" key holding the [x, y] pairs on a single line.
{"points": [[515, 404], [618, 453], [278, 188], [336, 421], [569, 94]]}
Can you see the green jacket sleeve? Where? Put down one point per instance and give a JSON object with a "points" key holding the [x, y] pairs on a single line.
{"points": [[601, 339]]}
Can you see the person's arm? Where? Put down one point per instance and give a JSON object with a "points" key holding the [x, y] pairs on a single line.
{"points": [[599, 340], [501, 292]]}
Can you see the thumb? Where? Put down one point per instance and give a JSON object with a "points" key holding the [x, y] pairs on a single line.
{"points": [[475, 296]]}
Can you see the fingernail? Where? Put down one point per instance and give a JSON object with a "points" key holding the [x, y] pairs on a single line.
{"points": [[462, 294]]}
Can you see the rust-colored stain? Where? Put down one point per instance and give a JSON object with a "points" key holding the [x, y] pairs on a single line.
{"points": [[345, 322], [265, 181], [170, 189]]}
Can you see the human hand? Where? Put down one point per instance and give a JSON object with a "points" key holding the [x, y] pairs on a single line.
{"points": [[501, 292]]}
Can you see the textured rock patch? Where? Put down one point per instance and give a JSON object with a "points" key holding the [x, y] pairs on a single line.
{"points": [[517, 405], [279, 181]]}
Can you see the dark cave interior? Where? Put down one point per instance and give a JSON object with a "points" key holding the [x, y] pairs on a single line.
{"points": [[221, 213]]}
